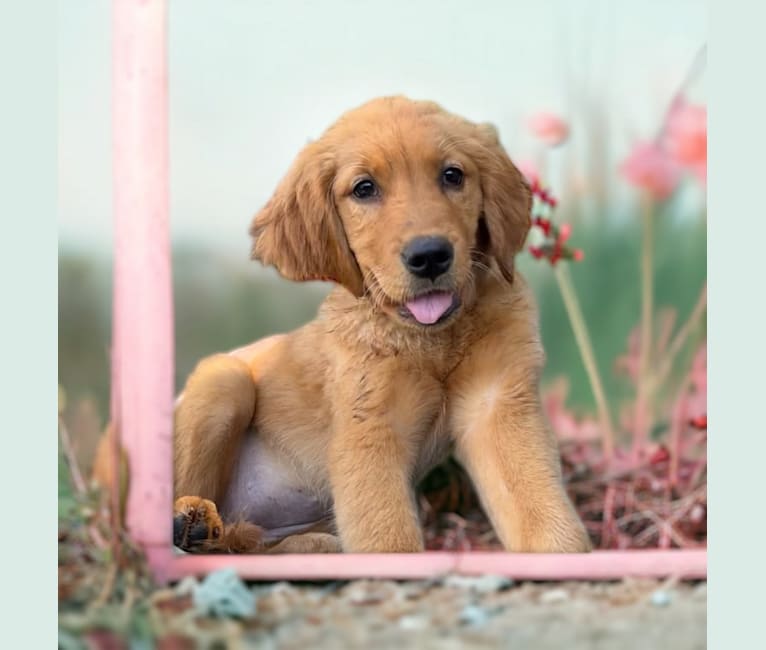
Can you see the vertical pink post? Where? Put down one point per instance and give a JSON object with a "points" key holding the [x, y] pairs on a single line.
{"points": [[142, 372]]}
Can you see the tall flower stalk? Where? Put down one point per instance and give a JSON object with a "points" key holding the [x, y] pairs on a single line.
{"points": [[643, 418], [655, 168], [555, 249], [585, 347]]}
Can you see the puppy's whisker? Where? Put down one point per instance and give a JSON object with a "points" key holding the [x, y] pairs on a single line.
{"points": [[477, 256], [375, 291], [493, 272]]}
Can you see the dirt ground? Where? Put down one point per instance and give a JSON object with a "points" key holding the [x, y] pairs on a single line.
{"points": [[452, 612]]}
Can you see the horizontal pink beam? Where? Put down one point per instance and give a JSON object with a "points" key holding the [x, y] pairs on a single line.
{"points": [[599, 565]]}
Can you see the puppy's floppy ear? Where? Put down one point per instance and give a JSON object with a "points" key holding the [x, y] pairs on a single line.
{"points": [[507, 198], [299, 230]]}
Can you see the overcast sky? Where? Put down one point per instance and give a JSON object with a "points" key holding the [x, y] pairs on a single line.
{"points": [[251, 81]]}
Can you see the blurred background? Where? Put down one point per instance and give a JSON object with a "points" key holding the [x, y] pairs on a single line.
{"points": [[252, 82]]}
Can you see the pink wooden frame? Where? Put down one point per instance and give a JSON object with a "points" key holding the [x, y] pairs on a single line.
{"points": [[142, 374]]}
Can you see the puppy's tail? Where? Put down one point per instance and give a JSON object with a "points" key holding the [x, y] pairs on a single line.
{"points": [[239, 537]]}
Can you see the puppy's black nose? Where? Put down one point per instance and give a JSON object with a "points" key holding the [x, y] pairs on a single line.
{"points": [[428, 257]]}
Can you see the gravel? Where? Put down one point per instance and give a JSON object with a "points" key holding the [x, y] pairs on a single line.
{"points": [[453, 612]]}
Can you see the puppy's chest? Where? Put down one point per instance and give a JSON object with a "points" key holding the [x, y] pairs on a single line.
{"points": [[420, 407], [417, 411], [434, 442]]}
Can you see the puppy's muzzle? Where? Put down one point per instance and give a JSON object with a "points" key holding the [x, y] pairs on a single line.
{"points": [[428, 257]]}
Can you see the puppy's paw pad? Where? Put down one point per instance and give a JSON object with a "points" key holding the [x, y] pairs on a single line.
{"points": [[196, 522]]}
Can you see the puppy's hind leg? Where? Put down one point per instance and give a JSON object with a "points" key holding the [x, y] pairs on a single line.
{"points": [[198, 528], [213, 413], [308, 543]]}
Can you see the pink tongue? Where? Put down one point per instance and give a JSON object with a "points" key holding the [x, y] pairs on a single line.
{"points": [[428, 309]]}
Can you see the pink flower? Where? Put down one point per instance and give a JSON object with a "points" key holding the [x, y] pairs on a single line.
{"points": [[686, 137], [686, 134], [651, 169], [549, 128], [699, 422]]}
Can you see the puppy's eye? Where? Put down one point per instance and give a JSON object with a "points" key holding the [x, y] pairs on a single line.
{"points": [[365, 189], [452, 176]]}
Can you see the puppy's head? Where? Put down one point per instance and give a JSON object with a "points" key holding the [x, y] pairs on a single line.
{"points": [[400, 202]]}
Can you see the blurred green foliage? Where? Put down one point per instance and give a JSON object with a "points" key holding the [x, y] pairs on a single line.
{"points": [[608, 288], [222, 303], [67, 500]]}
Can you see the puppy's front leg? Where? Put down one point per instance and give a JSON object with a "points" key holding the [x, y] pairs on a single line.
{"points": [[514, 464], [374, 501]]}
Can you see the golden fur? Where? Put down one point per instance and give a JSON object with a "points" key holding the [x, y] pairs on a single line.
{"points": [[363, 401]]}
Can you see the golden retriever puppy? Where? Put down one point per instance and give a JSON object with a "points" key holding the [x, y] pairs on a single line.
{"points": [[429, 345]]}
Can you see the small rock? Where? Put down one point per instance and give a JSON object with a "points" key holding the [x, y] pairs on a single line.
{"points": [[371, 592], [175, 642], [660, 598], [186, 586], [414, 590], [479, 584], [554, 596], [260, 639], [473, 615], [331, 587], [413, 622], [282, 588], [697, 513], [105, 639], [223, 594]]}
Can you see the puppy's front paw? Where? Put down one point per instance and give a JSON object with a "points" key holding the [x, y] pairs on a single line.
{"points": [[196, 522]]}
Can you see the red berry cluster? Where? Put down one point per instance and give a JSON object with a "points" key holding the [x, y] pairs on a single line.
{"points": [[660, 455], [543, 194], [554, 247], [700, 422]]}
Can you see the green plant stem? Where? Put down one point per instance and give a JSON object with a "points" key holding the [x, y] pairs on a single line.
{"points": [[585, 347], [643, 409], [71, 459], [676, 345], [676, 423], [78, 481]]}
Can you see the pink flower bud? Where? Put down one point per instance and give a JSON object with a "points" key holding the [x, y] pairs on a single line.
{"points": [[686, 134], [549, 128], [651, 169]]}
